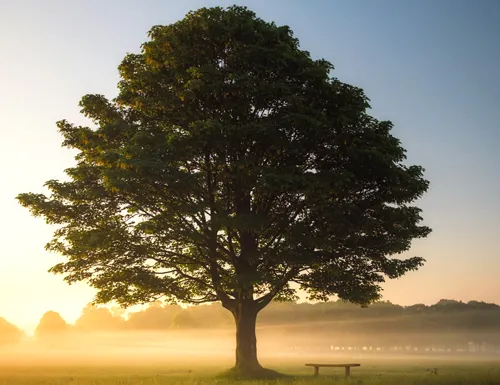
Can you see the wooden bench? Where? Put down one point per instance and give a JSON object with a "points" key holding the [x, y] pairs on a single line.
{"points": [[346, 366]]}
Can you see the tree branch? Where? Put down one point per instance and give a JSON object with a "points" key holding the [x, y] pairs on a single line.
{"points": [[267, 298]]}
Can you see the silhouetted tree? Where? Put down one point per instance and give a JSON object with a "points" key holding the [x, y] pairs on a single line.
{"points": [[95, 318], [186, 320], [52, 329], [230, 165], [9, 333], [211, 316], [417, 308], [449, 305], [154, 317], [480, 305]]}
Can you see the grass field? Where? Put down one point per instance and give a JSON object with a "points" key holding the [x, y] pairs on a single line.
{"points": [[193, 371]]}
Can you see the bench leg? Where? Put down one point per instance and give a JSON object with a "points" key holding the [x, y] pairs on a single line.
{"points": [[347, 371], [316, 371]]}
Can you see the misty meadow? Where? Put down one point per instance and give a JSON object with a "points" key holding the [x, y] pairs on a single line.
{"points": [[448, 328], [232, 207]]}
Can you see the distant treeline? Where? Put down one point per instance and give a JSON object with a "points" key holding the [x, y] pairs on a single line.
{"points": [[340, 321], [9, 334]]}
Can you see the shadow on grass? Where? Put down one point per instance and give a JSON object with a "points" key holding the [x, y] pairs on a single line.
{"points": [[260, 374]]}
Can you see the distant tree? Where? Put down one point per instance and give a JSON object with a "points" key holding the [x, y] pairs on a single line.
{"points": [[118, 311], [52, 328], [211, 316], [417, 308], [186, 320], [95, 318], [480, 305], [9, 333], [449, 305], [230, 165], [154, 317], [385, 309]]}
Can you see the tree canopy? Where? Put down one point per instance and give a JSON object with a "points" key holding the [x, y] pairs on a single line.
{"points": [[98, 318], [52, 330], [232, 167]]}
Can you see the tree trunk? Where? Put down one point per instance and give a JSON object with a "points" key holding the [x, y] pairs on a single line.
{"points": [[245, 316]]}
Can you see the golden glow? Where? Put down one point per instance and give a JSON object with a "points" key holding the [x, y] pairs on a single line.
{"points": [[47, 63]]}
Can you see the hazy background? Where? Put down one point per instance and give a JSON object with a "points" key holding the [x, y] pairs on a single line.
{"points": [[429, 66], [286, 332]]}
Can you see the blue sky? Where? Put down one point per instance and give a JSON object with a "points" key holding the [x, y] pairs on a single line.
{"points": [[429, 66]]}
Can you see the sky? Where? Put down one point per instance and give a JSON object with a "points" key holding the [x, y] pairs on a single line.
{"points": [[431, 67]]}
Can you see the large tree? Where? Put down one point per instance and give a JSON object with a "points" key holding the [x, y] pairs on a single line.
{"points": [[232, 167]]}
